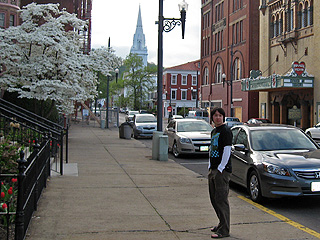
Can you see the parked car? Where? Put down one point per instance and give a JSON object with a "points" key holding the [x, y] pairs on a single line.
{"points": [[144, 111], [143, 125], [199, 114], [188, 136], [258, 120], [130, 115], [274, 161], [232, 121], [123, 110], [175, 117], [314, 132]]}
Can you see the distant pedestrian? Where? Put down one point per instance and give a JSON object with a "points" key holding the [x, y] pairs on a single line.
{"points": [[219, 172]]}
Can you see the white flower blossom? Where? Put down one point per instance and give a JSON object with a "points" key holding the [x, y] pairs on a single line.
{"points": [[43, 60]]}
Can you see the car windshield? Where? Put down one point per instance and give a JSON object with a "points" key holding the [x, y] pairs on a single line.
{"points": [[133, 112], [146, 119], [193, 126], [280, 139]]}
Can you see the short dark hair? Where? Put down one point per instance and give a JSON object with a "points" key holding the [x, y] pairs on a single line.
{"points": [[220, 110]]}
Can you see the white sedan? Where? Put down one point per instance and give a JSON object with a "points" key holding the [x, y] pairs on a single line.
{"points": [[314, 132]]}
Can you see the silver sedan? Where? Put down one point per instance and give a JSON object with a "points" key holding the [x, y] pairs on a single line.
{"points": [[188, 136]]}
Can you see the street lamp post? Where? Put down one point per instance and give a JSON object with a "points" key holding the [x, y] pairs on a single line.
{"points": [[107, 100], [197, 98], [192, 90], [166, 24], [230, 82]]}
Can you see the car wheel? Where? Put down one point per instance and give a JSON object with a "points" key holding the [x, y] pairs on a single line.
{"points": [[175, 150], [135, 136], [254, 187]]}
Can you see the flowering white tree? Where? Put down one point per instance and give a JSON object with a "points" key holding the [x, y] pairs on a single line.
{"points": [[42, 60]]}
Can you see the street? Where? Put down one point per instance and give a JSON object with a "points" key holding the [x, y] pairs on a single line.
{"points": [[304, 211]]}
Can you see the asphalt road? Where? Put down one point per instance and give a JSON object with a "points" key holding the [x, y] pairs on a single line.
{"points": [[304, 211]]}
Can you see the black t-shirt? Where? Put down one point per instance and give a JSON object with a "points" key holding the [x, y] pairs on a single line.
{"points": [[220, 137]]}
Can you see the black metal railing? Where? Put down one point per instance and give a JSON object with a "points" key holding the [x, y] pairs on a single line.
{"points": [[12, 116], [30, 181], [40, 143]]}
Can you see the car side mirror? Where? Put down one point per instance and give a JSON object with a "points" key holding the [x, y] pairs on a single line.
{"points": [[240, 147]]}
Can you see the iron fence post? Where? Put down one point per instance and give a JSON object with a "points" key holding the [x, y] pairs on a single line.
{"points": [[67, 140], [19, 228], [50, 154], [36, 148], [61, 153]]}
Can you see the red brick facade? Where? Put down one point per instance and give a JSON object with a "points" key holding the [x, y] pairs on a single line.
{"points": [[9, 13], [181, 87], [229, 26]]}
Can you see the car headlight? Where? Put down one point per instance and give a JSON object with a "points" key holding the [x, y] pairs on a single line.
{"points": [[274, 169], [185, 140], [139, 128]]}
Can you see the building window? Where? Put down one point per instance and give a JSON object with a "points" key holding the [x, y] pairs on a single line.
{"points": [[184, 94], [194, 80], [310, 15], [184, 80], [173, 94], [205, 80], [291, 20], [237, 69], [218, 78], [193, 93], [237, 4], [219, 41], [237, 32], [11, 23], [173, 79], [206, 20], [219, 12], [2, 20], [241, 31], [300, 17]]}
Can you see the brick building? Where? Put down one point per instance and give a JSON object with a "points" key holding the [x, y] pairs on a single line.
{"points": [[229, 39], [181, 87], [9, 13], [289, 56], [80, 7]]}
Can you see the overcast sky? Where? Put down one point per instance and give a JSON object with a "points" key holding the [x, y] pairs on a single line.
{"points": [[118, 20]]}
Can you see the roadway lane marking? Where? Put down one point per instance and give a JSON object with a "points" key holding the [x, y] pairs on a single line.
{"points": [[281, 217], [200, 163]]}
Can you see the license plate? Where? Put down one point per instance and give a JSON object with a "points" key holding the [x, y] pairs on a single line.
{"points": [[315, 186], [204, 148]]}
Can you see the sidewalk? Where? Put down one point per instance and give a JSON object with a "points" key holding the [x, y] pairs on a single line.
{"points": [[113, 190]]}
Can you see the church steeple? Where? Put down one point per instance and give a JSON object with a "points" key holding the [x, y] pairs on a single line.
{"points": [[139, 42]]}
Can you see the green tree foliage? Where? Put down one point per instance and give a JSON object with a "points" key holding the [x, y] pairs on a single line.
{"points": [[139, 80]]}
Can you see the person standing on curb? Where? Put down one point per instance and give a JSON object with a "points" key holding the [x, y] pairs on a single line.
{"points": [[219, 172]]}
